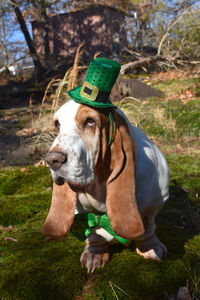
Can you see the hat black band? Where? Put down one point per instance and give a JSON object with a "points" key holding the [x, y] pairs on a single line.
{"points": [[102, 96]]}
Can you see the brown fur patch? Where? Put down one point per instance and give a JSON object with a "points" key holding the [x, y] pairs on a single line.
{"points": [[121, 201], [101, 131], [61, 213]]}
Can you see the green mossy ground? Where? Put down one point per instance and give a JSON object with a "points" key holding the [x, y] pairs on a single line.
{"points": [[32, 269]]}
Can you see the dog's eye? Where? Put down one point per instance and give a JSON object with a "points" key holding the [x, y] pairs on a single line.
{"points": [[57, 124], [89, 122]]}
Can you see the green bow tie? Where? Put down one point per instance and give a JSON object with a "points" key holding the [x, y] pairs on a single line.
{"points": [[90, 222]]}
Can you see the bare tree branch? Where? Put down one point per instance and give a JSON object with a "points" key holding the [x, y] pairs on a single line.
{"points": [[141, 62], [170, 26]]}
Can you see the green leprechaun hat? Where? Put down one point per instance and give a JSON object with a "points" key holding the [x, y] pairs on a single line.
{"points": [[101, 76]]}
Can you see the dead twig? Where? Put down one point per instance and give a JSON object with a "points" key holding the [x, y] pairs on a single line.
{"points": [[59, 90], [131, 98], [45, 96], [74, 71], [31, 110], [114, 285], [141, 62]]}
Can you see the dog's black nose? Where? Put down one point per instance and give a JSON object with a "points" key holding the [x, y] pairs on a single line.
{"points": [[55, 159]]}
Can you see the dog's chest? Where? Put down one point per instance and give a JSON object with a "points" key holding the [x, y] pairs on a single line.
{"points": [[92, 200]]}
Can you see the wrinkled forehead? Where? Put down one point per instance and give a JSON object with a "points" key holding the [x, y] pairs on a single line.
{"points": [[66, 115], [72, 114]]}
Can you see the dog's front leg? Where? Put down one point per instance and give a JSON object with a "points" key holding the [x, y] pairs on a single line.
{"points": [[96, 252], [148, 245]]}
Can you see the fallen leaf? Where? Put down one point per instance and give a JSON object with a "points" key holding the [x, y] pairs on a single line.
{"points": [[9, 228], [27, 131], [36, 150], [191, 138], [179, 149], [40, 163], [10, 239]]}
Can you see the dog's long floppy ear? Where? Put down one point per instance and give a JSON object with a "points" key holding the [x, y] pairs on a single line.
{"points": [[61, 213], [121, 203]]}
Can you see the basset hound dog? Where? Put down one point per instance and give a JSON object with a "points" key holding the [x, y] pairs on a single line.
{"points": [[127, 180]]}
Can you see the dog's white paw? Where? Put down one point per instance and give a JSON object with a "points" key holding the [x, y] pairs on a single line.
{"points": [[93, 261], [156, 253]]}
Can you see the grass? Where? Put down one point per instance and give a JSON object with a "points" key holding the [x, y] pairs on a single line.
{"points": [[31, 268], [176, 86]]}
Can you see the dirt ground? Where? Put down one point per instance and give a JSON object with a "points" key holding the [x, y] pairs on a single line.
{"points": [[18, 139]]}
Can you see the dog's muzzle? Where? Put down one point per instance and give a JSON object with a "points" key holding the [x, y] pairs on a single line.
{"points": [[55, 159]]}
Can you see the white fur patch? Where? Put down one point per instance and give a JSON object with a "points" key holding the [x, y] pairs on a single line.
{"points": [[79, 167], [106, 235]]}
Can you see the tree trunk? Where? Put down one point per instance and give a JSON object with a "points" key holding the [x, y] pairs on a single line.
{"points": [[46, 33], [39, 70], [139, 35], [4, 44]]}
